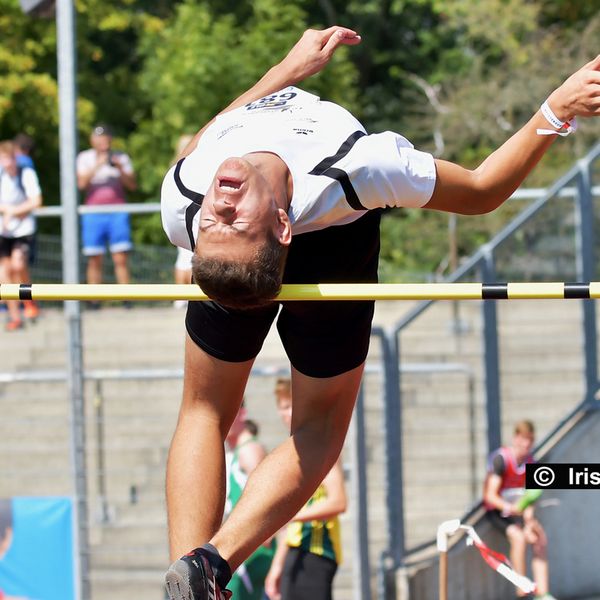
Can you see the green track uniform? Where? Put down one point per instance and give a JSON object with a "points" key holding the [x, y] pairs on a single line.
{"points": [[248, 581]]}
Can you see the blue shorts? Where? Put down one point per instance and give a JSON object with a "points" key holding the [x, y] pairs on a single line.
{"points": [[101, 229]]}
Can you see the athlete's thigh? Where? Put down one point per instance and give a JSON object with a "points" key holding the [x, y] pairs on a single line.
{"points": [[323, 339], [212, 388], [325, 403]]}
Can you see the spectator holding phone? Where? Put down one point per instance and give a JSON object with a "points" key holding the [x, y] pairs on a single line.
{"points": [[104, 175]]}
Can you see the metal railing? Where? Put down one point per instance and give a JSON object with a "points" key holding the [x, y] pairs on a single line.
{"points": [[576, 184], [358, 467]]}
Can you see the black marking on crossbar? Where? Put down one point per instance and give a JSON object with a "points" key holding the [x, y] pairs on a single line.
{"points": [[494, 291], [25, 291], [577, 290]]}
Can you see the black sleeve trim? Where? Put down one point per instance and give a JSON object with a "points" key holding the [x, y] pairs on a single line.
{"points": [[325, 167]]}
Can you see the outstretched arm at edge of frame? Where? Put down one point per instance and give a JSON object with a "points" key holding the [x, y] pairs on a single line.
{"points": [[308, 56], [485, 188]]}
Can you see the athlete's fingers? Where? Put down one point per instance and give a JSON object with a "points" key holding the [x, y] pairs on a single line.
{"points": [[341, 36], [327, 33], [594, 64]]}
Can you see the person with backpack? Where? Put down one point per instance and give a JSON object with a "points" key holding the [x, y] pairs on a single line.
{"points": [[20, 195]]}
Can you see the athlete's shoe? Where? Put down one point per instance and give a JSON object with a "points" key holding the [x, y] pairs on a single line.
{"points": [[31, 310], [191, 578], [13, 325]]}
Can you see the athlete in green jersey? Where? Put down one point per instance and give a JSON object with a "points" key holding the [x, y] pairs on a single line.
{"points": [[248, 580], [307, 558]]}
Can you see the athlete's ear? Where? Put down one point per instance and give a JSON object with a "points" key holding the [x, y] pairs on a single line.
{"points": [[284, 228]]}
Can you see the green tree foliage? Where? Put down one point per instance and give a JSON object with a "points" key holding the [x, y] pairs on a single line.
{"points": [[28, 89], [456, 77], [202, 59], [509, 64]]}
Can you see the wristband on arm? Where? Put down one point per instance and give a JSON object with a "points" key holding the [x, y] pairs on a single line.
{"points": [[562, 128]]}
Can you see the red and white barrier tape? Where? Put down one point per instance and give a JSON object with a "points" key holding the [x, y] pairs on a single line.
{"points": [[498, 561]]}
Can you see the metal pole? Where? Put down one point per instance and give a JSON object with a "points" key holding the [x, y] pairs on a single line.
{"points": [[65, 25], [362, 568], [473, 438], [392, 425], [100, 463], [491, 357], [586, 267]]}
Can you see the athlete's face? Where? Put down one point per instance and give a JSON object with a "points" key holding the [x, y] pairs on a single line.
{"points": [[8, 162], [284, 408], [237, 211], [237, 427], [522, 444], [101, 143]]}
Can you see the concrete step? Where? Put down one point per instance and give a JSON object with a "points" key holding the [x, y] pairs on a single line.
{"points": [[120, 583]]}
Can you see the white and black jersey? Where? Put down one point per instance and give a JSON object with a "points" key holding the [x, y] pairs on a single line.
{"points": [[338, 171]]}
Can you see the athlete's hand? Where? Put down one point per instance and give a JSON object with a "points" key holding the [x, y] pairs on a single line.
{"points": [[7, 214], [273, 582], [315, 49], [579, 95]]}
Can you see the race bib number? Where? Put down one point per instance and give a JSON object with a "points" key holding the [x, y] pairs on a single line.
{"points": [[272, 102]]}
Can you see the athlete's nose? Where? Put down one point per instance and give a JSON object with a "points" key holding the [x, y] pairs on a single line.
{"points": [[224, 209]]}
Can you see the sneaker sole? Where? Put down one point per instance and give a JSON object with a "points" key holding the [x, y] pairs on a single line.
{"points": [[177, 581]]}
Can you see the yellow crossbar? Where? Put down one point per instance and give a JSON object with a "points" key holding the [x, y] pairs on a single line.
{"points": [[318, 291]]}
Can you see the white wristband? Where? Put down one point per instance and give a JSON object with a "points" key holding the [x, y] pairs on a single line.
{"points": [[562, 128]]}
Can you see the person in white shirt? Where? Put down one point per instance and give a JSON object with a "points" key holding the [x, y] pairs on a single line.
{"points": [[20, 195], [283, 187]]}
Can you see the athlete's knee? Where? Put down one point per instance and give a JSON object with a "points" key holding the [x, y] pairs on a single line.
{"points": [[120, 259], [18, 263], [516, 537], [539, 549]]}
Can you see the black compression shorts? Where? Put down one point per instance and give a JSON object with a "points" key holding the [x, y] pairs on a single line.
{"points": [[25, 244], [321, 338], [502, 523]]}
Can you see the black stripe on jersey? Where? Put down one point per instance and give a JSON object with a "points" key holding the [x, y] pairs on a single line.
{"points": [[25, 291], [195, 197], [325, 168], [190, 213], [192, 209]]}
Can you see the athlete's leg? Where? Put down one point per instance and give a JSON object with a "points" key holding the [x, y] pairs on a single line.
{"points": [[286, 478], [539, 561], [212, 393], [94, 269], [121, 267], [20, 269], [7, 276], [518, 549], [19, 260]]}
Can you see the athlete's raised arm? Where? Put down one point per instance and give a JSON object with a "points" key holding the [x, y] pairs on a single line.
{"points": [[308, 56], [485, 188]]}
